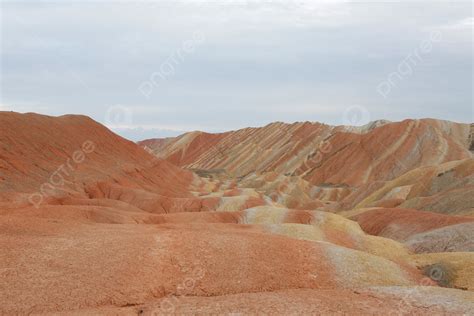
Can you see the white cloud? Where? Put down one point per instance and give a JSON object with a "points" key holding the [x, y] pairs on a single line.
{"points": [[263, 60]]}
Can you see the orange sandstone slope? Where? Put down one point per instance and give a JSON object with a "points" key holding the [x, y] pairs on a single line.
{"points": [[423, 232], [79, 151], [321, 153], [74, 160], [119, 231], [310, 165]]}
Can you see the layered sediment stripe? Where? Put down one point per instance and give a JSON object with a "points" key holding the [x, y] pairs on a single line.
{"points": [[356, 268]]}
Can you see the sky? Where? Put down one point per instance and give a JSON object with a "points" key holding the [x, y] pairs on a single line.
{"points": [[150, 69]]}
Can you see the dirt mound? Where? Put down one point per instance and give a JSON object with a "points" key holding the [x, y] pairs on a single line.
{"points": [[454, 238], [91, 223], [396, 300], [400, 224], [445, 188], [45, 159], [99, 265], [448, 269], [421, 231]]}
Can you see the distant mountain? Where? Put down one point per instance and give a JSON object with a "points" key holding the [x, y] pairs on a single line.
{"points": [[410, 163], [286, 219]]}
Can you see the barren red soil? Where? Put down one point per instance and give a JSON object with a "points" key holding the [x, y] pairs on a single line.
{"points": [[286, 219], [407, 222]]}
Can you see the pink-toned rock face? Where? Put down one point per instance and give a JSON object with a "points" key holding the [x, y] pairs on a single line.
{"points": [[71, 150], [378, 221], [311, 165], [322, 153], [286, 219]]}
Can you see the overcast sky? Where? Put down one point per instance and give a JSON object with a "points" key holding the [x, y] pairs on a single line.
{"points": [[152, 69]]}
